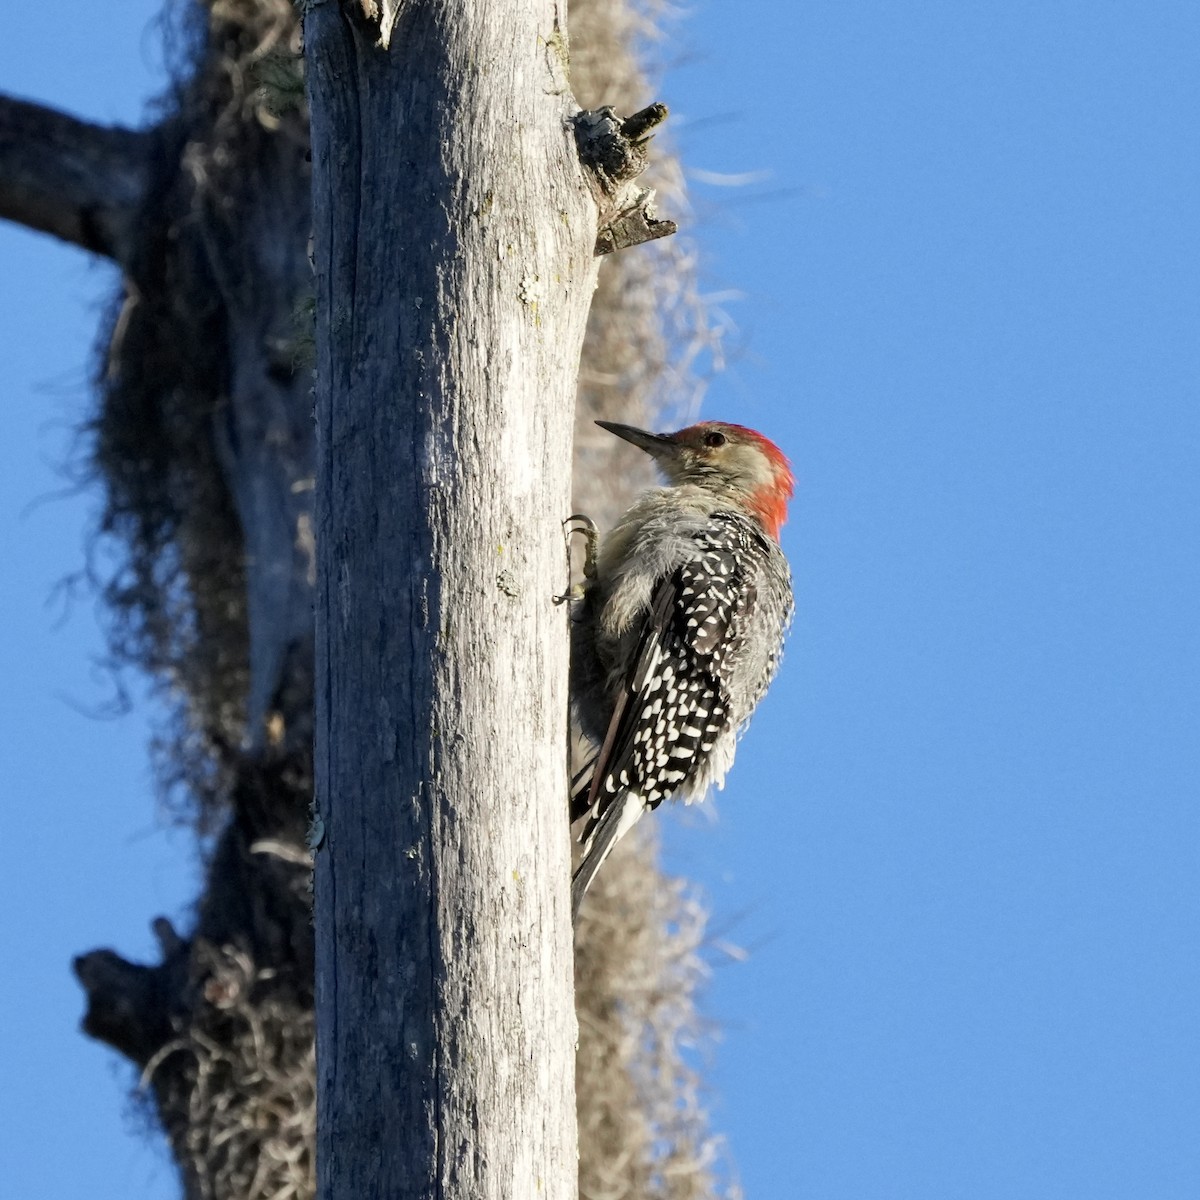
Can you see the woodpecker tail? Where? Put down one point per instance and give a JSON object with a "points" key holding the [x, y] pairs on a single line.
{"points": [[619, 816]]}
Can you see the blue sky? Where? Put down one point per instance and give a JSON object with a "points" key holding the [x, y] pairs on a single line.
{"points": [[961, 843]]}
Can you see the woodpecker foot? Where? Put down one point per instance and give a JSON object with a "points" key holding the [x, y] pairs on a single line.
{"points": [[578, 523]]}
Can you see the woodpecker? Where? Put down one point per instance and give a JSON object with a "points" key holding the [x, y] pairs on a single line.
{"points": [[679, 629]]}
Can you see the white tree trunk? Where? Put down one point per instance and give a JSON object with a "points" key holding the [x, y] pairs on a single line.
{"points": [[454, 235]]}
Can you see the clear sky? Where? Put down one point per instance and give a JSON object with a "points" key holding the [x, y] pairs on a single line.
{"points": [[961, 845]]}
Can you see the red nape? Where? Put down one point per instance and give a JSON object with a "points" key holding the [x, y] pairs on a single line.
{"points": [[769, 503]]}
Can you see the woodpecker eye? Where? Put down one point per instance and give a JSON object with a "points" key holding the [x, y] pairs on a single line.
{"points": [[715, 439]]}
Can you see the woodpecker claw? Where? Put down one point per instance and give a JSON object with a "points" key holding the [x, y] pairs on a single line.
{"points": [[578, 523]]}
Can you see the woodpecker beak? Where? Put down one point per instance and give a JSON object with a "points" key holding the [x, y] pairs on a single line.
{"points": [[654, 444]]}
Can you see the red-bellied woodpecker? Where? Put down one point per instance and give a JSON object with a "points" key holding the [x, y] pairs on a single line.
{"points": [[679, 631]]}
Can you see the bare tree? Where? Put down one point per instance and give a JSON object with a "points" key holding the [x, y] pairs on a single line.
{"points": [[203, 442]]}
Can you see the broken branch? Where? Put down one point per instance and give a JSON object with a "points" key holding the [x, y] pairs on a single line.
{"points": [[614, 152], [80, 182]]}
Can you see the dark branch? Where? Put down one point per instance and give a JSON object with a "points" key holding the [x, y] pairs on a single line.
{"points": [[80, 182], [615, 152], [129, 1005]]}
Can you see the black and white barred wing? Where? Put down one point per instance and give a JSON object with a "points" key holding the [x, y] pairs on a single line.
{"points": [[674, 705]]}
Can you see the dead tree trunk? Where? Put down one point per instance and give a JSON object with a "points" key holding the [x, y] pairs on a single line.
{"points": [[454, 236]]}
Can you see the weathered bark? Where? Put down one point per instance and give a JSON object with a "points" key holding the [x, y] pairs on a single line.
{"points": [[454, 253]]}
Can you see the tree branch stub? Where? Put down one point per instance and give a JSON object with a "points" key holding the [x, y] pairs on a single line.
{"points": [[80, 182], [614, 152], [126, 1008]]}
